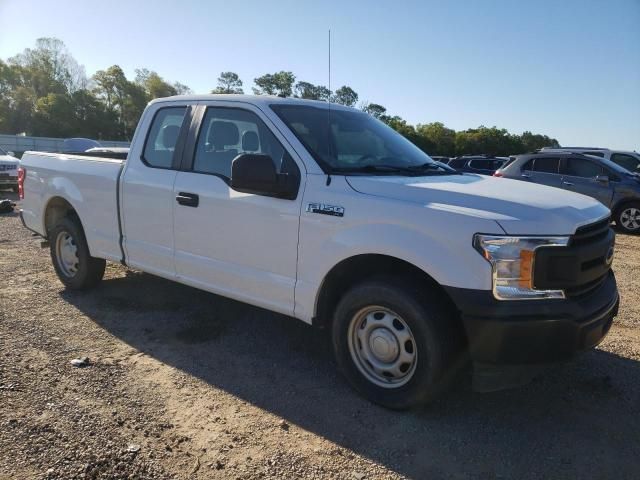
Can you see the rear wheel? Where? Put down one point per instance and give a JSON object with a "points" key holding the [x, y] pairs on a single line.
{"points": [[75, 268], [394, 344], [628, 218]]}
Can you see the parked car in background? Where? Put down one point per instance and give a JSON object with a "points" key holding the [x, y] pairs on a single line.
{"points": [[602, 179], [482, 164], [626, 159], [8, 170]]}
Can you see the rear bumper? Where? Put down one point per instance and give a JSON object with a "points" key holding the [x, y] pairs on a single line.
{"points": [[524, 335]]}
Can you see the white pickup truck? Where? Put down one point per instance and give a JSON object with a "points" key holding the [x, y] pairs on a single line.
{"points": [[322, 213]]}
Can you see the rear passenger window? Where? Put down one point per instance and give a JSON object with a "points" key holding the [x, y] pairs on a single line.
{"points": [[579, 167], [163, 136], [228, 132], [546, 165]]}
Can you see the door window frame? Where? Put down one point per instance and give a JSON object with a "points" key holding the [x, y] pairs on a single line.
{"points": [[180, 142], [187, 159]]}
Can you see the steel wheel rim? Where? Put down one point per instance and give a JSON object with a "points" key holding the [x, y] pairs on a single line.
{"points": [[67, 254], [630, 218], [382, 347]]}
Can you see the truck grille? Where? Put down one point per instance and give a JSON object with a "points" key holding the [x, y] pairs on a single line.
{"points": [[582, 266]]}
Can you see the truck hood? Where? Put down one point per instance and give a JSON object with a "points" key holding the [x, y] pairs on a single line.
{"points": [[519, 207]]}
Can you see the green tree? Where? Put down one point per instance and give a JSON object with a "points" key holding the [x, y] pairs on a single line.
{"points": [[229, 82], [531, 142], [310, 91], [182, 89], [491, 141], [374, 109], [279, 83], [442, 138], [127, 99], [345, 96], [154, 85]]}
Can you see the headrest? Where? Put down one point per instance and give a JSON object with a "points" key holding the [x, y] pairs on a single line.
{"points": [[170, 136], [250, 142], [222, 134]]}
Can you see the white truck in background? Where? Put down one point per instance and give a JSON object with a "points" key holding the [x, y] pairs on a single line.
{"points": [[322, 213], [8, 170]]}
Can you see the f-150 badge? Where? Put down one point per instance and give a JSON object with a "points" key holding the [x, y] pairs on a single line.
{"points": [[325, 209]]}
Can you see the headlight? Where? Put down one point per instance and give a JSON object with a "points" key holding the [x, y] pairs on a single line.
{"points": [[512, 260]]}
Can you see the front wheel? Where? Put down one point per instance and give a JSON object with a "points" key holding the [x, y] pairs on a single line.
{"points": [[75, 267], [395, 345], [628, 218]]}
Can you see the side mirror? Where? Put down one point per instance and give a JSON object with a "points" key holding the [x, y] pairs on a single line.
{"points": [[254, 173], [602, 179], [11, 154]]}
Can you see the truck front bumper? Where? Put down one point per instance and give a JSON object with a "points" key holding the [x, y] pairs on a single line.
{"points": [[511, 341]]}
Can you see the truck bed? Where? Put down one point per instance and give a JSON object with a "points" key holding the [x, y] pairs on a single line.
{"points": [[89, 182]]}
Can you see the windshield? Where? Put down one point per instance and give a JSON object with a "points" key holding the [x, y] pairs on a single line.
{"points": [[352, 141]]}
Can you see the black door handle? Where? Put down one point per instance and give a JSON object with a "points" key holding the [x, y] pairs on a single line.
{"points": [[188, 199]]}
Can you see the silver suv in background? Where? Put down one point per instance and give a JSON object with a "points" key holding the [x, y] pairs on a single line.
{"points": [[627, 160], [604, 180]]}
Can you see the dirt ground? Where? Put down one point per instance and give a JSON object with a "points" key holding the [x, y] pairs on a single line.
{"points": [[184, 384]]}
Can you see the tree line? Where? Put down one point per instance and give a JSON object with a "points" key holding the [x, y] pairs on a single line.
{"points": [[44, 91]]}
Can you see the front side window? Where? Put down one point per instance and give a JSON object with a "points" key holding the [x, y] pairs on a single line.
{"points": [[579, 167], [628, 162], [226, 133], [163, 136], [350, 141]]}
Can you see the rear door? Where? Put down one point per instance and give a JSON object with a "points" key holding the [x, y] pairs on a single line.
{"points": [[240, 245], [147, 199], [544, 170], [580, 175]]}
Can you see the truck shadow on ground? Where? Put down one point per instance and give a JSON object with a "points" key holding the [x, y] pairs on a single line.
{"points": [[580, 420]]}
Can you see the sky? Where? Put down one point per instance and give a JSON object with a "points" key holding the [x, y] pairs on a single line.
{"points": [[569, 69]]}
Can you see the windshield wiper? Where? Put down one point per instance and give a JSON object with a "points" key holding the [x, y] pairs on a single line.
{"points": [[373, 168], [429, 168], [433, 167]]}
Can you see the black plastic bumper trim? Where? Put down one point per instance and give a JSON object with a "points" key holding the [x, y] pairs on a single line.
{"points": [[534, 331]]}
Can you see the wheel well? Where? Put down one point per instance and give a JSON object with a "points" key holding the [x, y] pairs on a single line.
{"points": [[356, 269], [57, 208], [615, 211]]}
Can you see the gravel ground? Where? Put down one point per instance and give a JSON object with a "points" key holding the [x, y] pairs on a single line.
{"points": [[185, 384]]}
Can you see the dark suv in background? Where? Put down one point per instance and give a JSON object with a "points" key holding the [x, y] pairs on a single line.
{"points": [[597, 177], [482, 164]]}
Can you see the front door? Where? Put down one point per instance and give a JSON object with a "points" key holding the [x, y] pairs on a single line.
{"points": [[240, 245], [585, 176]]}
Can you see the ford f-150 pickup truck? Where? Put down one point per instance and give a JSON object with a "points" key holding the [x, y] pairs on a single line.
{"points": [[325, 214]]}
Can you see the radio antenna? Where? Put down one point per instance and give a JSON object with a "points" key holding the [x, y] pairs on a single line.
{"points": [[329, 111], [329, 64]]}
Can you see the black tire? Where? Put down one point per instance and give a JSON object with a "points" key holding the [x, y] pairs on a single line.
{"points": [[623, 217], [88, 270], [438, 342]]}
